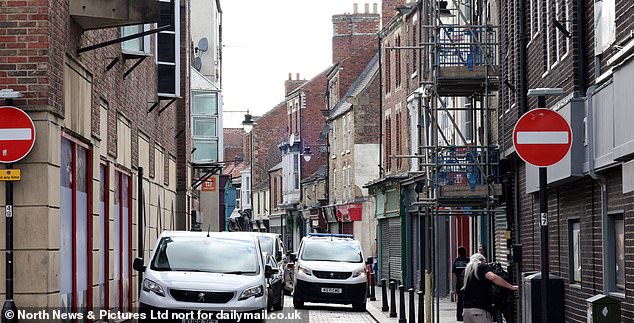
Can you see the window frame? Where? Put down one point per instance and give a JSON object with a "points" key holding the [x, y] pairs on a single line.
{"points": [[105, 232], [145, 42], [74, 142], [119, 175], [611, 256], [572, 251]]}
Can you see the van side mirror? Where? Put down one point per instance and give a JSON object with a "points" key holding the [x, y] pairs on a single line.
{"points": [[293, 257], [268, 271], [369, 261], [278, 255], [138, 265]]}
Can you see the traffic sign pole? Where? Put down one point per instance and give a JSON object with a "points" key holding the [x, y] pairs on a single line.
{"points": [[17, 137], [543, 221], [9, 304]]}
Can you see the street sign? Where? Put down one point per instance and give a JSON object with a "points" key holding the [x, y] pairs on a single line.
{"points": [[17, 134], [9, 174], [209, 185], [542, 137]]}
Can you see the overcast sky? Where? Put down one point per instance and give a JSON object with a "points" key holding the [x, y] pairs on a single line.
{"points": [[266, 40]]}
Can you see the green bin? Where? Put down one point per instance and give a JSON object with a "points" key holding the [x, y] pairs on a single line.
{"points": [[604, 309]]}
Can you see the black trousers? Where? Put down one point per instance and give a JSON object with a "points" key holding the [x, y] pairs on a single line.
{"points": [[460, 302]]}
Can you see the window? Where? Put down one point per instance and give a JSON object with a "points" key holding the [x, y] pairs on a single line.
{"points": [[122, 241], [334, 137], [574, 241], [168, 51], [204, 126], [124, 142], [398, 61], [344, 140], [616, 253], [349, 131], [296, 171], [334, 185], [388, 143], [140, 45], [104, 223], [76, 226], [388, 69]]}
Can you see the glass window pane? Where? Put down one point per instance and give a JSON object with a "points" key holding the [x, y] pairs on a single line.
{"points": [[66, 224], [576, 250], [81, 233], [619, 253], [205, 127], [206, 150], [205, 103], [133, 45]]}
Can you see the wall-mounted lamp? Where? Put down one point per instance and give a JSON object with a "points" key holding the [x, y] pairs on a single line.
{"points": [[307, 154]]}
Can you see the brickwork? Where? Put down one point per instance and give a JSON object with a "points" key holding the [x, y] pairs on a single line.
{"points": [[351, 32], [233, 143], [579, 199], [388, 10], [395, 92], [312, 121], [269, 132]]}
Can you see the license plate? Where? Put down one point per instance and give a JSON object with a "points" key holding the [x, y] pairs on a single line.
{"points": [[331, 290], [199, 321]]}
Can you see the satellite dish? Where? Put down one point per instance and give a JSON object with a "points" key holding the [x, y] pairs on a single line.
{"points": [[198, 63], [203, 44], [292, 139]]}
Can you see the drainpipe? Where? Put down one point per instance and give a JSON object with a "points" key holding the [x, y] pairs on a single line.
{"points": [[600, 180], [380, 109]]}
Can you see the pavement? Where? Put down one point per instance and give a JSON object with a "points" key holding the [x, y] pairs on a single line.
{"points": [[445, 313]]}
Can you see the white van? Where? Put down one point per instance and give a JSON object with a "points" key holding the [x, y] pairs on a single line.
{"points": [[211, 272], [330, 268]]}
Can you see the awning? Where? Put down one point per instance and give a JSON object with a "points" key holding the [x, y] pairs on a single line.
{"points": [[349, 212]]}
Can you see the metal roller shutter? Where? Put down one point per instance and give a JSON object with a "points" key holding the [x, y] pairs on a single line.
{"points": [[395, 248]]}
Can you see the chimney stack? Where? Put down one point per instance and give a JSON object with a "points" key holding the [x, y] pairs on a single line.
{"points": [[375, 7], [297, 75], [367, 8], [355, 8], [289, 76], [351, 32], [290, 85]]}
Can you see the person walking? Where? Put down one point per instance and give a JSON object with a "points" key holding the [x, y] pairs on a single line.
{"points": [[478, 295], [459, 265]]}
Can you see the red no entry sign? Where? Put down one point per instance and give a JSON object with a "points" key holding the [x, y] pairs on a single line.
{"points": [[542, 137], [17, 134]]}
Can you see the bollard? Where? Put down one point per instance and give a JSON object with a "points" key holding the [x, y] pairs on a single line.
{"points": [[393, 298], [384, 306], [401, 307], [421, 307], [372, 291], [412, 306]]}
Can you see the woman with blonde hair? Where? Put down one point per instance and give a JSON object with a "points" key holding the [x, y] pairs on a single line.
{"points": [[478, 295]]}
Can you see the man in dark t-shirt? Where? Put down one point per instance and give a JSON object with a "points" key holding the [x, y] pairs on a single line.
{"points": [[478, 295], [459, 264]]}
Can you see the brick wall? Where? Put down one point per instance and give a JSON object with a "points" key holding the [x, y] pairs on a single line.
{"points": [[366, 114], [233, 145], [313, 120], [388, 10], [269, 132], [35, 37], [351, 32]]}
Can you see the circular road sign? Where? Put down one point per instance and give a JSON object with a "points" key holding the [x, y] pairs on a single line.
{"points": [[542, 137], [17, 134]]}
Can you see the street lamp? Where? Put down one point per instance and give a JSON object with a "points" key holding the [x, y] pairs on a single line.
{"points": [[307, 154], [541, 94], [248, 125]]}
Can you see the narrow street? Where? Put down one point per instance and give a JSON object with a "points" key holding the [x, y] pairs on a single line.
{"points": [[323, 313]]}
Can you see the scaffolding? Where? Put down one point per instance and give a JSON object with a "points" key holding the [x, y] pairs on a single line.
{"points": [[458, 156]]}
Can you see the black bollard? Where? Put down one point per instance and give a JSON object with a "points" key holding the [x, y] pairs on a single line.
{"points": [[372, 295], [393, 298], [412, 306], [421, 307], [401, 307], [384, 306]]}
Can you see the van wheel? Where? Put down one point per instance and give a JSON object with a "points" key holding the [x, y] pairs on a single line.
{"points": [[297, 304], [358, 307]]}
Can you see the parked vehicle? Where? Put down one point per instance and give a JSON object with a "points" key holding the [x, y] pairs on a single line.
{"points": [[271, 243], [329, 268], [275, 286], [212, 272]]}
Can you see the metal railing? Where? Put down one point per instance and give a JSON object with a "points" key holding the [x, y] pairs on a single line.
{"points": [[465, 166], [466, 46]]}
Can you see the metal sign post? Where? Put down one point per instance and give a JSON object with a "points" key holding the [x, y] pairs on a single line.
{"points": [[542, 138], [17, 138]]}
